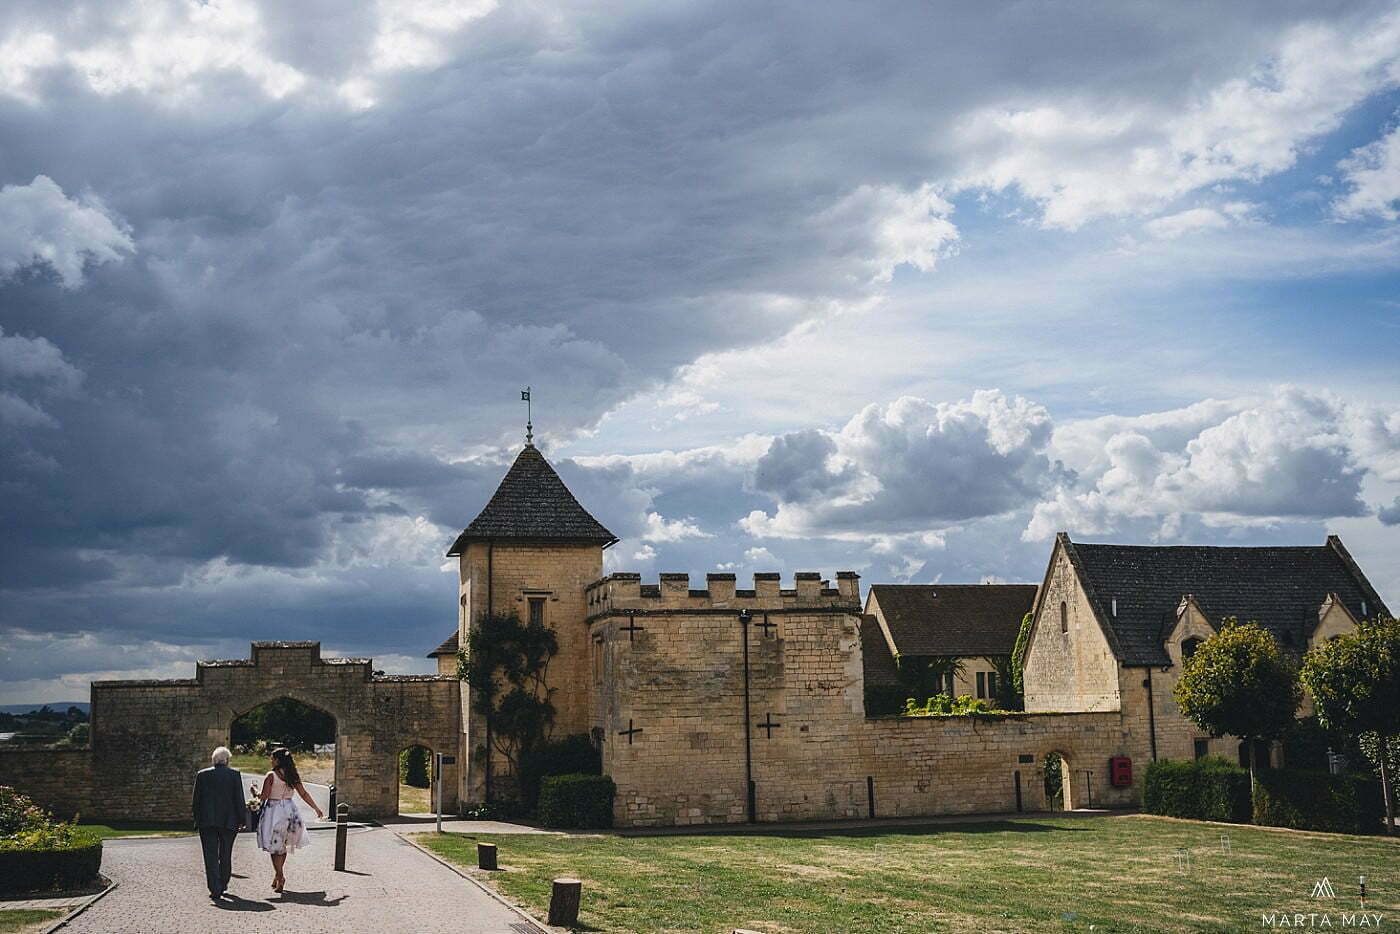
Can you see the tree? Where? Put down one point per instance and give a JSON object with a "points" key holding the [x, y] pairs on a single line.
{"points": [[413, 767], [1240, 682], [1354, 681], [506, 663], [285, 721]]}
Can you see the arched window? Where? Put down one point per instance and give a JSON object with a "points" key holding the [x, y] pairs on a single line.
{"points": [[1064, 617], [1188, 647]]}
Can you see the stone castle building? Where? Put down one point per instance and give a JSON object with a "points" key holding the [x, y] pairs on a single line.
{"points": [[721, 703]]}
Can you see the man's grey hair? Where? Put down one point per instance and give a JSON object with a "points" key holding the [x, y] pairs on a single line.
{"points": [[221, 756]]}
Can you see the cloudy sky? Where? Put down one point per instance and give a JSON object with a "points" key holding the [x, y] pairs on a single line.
{"points": [[899, 288]]}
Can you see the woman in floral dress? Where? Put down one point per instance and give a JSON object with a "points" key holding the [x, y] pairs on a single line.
{"points": [[281, 830]]}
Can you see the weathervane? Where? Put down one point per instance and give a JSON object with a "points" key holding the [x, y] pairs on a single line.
{"points": [[529, 416]]}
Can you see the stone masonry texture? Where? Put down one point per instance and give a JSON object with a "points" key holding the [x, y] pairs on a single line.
{"points": [[150, 737]]}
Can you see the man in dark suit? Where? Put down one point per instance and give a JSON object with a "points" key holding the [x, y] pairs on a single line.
{"points": [[219, 813]]}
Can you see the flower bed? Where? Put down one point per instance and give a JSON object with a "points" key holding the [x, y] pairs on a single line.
{"points": [[36, 853]]}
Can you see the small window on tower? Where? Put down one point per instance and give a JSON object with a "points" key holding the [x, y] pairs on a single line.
{"points": [[537, 611], [1064, 617]]}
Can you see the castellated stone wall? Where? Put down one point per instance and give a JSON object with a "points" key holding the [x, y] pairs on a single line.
{"points": [[150, 737], [669, 691]]}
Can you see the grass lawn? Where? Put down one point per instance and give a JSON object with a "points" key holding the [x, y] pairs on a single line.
{"points": [[1116, 873], [25, 920], [319, 770], [415, 800], [141, 829]]}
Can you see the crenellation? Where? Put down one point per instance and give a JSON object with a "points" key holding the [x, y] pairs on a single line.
{"points": [[672, 591]]}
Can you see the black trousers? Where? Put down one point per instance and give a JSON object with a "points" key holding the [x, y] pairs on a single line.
{"points": [[218, 856]]}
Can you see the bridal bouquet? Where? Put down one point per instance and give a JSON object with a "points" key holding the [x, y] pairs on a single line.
{"points": [[254, 807]]}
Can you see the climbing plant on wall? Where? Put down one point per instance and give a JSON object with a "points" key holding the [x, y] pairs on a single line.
{"points": [[506, 662]]}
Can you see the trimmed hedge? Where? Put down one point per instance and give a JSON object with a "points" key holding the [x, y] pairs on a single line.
{"points": [[574, 754], [577, 801], [57, 857], [1314, 800], [1204, 789]]}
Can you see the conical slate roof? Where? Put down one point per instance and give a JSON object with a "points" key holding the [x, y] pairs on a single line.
{"points": [[533, 503]]}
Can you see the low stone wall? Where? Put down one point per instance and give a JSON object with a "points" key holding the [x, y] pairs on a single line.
{"points": [[60, 780]]}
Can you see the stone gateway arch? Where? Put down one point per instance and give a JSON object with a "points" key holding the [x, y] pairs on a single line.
{"points": [[149, 737]]}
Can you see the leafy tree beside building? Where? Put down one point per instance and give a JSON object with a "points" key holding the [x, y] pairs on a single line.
{"points": [[1354, 680], [1240, 682]]}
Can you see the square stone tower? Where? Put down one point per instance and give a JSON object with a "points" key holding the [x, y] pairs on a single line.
{"points": [[532, 551]]}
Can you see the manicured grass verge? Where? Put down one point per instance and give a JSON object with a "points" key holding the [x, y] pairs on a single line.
{"points": [[319, 770], [1118, 873], [26, 920], [140, 829], [415, 800]]}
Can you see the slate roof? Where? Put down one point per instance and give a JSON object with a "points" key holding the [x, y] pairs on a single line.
{"points": [[875, 653], [532, 503], [1281, 588], [448, 647], [954, 619]]}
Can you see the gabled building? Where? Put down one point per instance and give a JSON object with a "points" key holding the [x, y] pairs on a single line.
{"points": [[1113, 623], [974, 624]]}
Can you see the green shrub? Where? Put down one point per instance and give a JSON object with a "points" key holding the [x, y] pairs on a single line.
{"points": [[413, 767], [50, 856], [18, 812], [943, 705], [1313, 800], [1205, 789], [580, 801], [572, 755]]}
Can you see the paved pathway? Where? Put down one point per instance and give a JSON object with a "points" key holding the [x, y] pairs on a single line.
{"points": [[391, 887]]}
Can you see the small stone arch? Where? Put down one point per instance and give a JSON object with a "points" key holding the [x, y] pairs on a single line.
{"points": [[1070, 793]]}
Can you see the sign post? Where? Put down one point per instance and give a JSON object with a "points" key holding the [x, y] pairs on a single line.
{"points": [[439, 760]]}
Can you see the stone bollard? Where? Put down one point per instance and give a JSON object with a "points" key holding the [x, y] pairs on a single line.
{"points": [[563, 902], [486, 856], [342, 814]]}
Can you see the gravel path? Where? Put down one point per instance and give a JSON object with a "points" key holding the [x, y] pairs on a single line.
{"points": [[391, 887]]}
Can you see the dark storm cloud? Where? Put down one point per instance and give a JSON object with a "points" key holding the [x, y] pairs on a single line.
{"points": [[1390, 515], [303, 328]]}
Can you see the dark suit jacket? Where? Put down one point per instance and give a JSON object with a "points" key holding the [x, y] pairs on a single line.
{"points": [[218, 798]]}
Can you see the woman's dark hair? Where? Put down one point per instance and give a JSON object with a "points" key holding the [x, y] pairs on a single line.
{"points": [[284, 766]]}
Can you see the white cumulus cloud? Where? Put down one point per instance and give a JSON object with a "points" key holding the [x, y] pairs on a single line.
{"points": [[40, 224], [1373, 174]]}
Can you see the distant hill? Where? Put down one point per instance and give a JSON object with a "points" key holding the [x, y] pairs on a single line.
{"points": [[53, 705]]}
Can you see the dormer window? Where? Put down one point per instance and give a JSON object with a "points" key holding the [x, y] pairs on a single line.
{"points": [[1189, 647]]}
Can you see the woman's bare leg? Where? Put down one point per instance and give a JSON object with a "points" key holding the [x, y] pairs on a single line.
{"points": [[278, 861]]}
